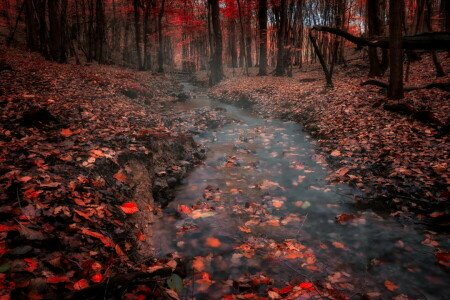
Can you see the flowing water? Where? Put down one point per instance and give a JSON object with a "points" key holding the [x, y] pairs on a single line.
{"points": [[260, 208]]}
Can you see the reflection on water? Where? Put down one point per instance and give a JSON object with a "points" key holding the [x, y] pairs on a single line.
{"points": [[260, 209]]}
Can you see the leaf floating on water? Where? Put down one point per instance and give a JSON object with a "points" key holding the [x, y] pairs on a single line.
{"points": [[245, 229], [390, 285], [443, 258], [175, 283], [213, 242], [338, 245], [342, 218], [306, 204], [184, 209]]}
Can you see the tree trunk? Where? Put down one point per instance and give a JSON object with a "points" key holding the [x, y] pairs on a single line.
{"points": [[262, 21], [216, 59], [374, 30], [160, 38], [396, 10], [100, 31], [137, 32], [281, 68]]}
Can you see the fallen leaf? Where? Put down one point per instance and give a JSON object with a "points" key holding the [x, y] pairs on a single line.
{"points": [[97, 277], [213, 242], [390, 285], [338, 245], [129, 208], [66, 132], [81, 284], [57, 279], [120, 176]]}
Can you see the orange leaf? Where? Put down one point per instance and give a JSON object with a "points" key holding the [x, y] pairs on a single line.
{"points": [[119, 250], [245, 229], [390, 285], [140, 236], [198, 264], [105, 240], [81, 284], [184, 209], [120, 176], [66, 132], [57, 279], [129, 208], [338, 245], [97, 153], [213, 242], [97, 277]]}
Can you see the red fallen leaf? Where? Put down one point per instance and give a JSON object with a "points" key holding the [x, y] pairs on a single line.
{"points": [[105, 240], [66, 132], [32, 264], [341, 218], [436, 214], [307, 285], [129, 208], [119, 250], [140, 236], [184, 209], [120, 176], [81, 284], [390, 285], [82, 214], [97, 277], [57, 279], [7, 228], [441, 255], [285, 290]]}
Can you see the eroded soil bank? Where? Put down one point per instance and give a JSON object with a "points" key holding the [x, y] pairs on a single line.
{"points": [[399, 161]]}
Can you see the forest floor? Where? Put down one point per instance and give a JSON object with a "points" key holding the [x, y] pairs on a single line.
{"points": [[89, 155], [86, 161], [400, 161]]}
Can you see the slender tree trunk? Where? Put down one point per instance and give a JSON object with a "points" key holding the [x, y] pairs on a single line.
{"points": [[396, 12], [281, 67], [137, 31], [262, 20], [374, 28], [233, 52], [160, 38], [100, 31], [216, 59], [242, 55]]}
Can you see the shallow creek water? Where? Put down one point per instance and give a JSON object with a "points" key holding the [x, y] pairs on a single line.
{"points": [[268, 214]]}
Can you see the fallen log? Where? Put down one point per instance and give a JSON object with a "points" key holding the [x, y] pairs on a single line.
{"points": [[423, 41]]}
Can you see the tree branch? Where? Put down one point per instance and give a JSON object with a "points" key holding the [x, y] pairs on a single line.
{"points": [[423, 41]]}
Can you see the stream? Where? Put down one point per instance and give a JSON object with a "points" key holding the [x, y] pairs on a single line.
{"points": [[260, 214]]}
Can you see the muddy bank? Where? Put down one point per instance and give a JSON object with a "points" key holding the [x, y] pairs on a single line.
{"points": [[89, 155], [400, 163]]}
